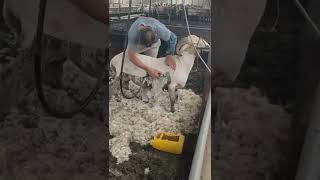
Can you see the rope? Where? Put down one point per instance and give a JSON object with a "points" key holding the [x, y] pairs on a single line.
{"points": [[37, 49], [185, 15]]}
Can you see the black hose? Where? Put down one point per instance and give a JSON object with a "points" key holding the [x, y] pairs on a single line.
{"points": [[38, 74], [123, 55]]}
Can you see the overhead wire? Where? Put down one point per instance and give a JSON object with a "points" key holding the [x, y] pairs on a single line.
{"points": [[187, 23]]}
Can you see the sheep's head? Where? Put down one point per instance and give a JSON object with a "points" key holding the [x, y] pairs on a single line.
{"points": [[186, 43]]}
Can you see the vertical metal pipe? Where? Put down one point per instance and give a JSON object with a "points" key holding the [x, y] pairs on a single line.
{"points": [[129, 13], [150, 8], [197, 161], [119, 9], [170, 12]]}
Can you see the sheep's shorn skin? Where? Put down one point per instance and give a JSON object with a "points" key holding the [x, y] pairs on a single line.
{"points": [[178, 78], [131, 120]]}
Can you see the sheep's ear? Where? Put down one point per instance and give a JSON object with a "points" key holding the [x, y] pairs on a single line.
{"points": [[206, 44], [202, 43]]}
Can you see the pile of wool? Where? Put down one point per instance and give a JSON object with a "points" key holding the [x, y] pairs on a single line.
{"points": [[132, 120], [251, 135]]}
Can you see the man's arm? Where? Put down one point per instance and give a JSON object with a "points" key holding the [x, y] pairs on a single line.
{"points": [[171, 39], [136, 61], [170, 51], [94, 8]]}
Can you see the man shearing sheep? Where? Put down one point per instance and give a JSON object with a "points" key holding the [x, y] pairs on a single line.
{"points": [[144, 37]]}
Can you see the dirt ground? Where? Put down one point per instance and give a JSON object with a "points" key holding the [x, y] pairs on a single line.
{"points": [[161, 165]]}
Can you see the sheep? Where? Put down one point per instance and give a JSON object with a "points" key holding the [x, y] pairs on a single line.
{"points": [[62, 20], [184, 61]]}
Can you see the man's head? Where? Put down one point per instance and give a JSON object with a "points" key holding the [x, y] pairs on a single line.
{"points": [[147, 36]]}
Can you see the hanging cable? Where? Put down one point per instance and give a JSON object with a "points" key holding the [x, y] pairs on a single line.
{"points": [[150, 8], [185, 15], [37, 50]]}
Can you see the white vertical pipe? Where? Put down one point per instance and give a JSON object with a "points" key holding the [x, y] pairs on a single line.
{"points": [[198, 156]]}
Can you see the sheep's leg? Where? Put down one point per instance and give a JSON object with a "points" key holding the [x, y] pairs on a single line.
{"points": [[137, 80], [152, 101], [145, 91], [125, 81], [155, 90], [172, 95], [177, 87]]}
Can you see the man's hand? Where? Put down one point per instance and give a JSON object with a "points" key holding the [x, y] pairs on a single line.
{"points": [[170, 62], [153, 73]]}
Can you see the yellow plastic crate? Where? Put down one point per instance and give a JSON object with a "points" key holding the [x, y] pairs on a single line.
{"points": [[168, 142]]}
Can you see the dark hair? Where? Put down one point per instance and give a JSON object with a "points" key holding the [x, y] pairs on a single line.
{"points": [[147, 36]]}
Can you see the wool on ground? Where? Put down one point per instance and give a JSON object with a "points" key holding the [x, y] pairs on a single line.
{"points": [[132, 120]]}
